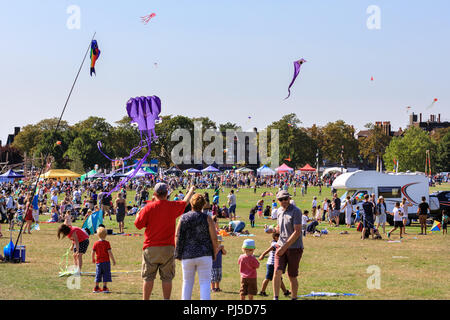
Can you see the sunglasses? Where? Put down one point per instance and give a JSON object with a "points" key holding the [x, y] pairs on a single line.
{"points": [[283, 199]]}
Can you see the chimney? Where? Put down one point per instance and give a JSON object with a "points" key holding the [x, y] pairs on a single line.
{"points": [[439, 118], [16, 131], [420, 115]]}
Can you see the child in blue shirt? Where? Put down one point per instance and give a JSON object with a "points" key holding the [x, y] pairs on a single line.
{"points": [[358, 214]]}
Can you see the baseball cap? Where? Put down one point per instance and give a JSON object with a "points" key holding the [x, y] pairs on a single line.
{"points": [[161, 188], [283, 194], [248, 244]]}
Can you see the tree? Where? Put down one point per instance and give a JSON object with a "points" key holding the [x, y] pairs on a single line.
{"points": [[410, 150], [84, 145], [443, 154], [294, 142], [334, 136], [229, 125], [375, 144], [27, 139]]}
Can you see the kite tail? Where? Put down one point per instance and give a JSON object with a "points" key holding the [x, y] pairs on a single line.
{"points": [[93, 71], [131, 176], [288, 94], [133, 151]]}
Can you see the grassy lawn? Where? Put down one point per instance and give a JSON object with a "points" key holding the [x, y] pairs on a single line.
{"points": [[412, 269]]}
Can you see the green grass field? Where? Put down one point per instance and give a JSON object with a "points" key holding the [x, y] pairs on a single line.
{"points": [[416, 268]]}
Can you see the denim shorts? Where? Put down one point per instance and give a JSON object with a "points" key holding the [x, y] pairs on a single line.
{"points": [[269, 271]]}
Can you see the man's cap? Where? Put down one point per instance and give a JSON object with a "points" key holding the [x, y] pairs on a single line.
{"points": [[248, 244], [380, 197], [283, 194], [161, 188]]}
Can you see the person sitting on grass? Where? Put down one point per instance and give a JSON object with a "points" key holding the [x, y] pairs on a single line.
{"points": [[101, 256], [270, 266]]}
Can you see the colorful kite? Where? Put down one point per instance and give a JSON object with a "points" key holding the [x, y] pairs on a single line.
{"points": [[297, 66], [146, 19], [145, 112], [95, 53], [436, 226]]}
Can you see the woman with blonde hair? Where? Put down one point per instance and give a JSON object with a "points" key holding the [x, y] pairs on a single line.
{"points": [[196, 245]]}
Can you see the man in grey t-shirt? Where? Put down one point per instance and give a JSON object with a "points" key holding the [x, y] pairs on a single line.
{"points": [[289, 253]]}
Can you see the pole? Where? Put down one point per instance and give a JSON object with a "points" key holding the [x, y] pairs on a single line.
{"points": [[56, 129]]}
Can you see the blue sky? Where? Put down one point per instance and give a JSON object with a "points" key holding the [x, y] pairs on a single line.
{"points": [[227, 60]]}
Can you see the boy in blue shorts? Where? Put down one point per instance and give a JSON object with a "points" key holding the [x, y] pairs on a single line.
{"points": [[101, 256], [270, 266]]}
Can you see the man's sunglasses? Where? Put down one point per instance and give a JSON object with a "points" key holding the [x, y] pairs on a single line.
{"points": [[283, 199]]}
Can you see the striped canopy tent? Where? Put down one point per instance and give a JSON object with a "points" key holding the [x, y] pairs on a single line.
{"points": [[284, 168], [307, 168]]}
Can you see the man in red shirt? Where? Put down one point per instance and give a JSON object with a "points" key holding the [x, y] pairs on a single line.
{"points": [[158, 218]]}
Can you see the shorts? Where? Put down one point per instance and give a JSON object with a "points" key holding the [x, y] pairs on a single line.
{"points": [[290, 259], [83, 245], [103, 272], [248, 287], [368, 224], [334, 214], [106, 209], [269, 271], [444, 226], [120, 216], [423, 219], [158, 258], [398, 224], [216, 274], [232, 209]]}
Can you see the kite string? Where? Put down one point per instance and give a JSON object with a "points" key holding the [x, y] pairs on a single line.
{"points": [[56, 129]]}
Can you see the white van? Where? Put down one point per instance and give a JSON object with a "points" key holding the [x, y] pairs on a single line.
{"points": [[392, 186]]}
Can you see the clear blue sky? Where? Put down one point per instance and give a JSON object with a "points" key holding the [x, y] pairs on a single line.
{"points": [[227, 60]]}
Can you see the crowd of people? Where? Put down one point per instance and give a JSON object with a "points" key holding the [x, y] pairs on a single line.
{"points": [[196, 240]]}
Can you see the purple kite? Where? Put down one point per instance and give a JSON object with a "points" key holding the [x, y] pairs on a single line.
{"points": [[297, 66], [144, 111]]}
